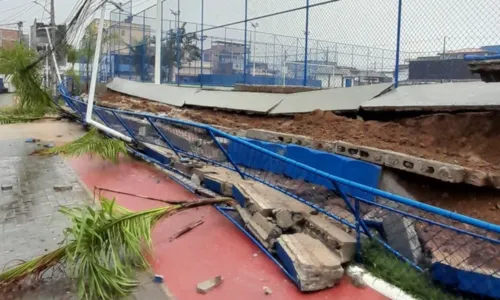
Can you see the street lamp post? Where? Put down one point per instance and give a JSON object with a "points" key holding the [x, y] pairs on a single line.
{"points": [[254, 25]]}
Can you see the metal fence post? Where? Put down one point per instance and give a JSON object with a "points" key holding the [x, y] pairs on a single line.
{"points": [[307, 42], [357, 216], [131, 18], [245, 44], [202, 38], [231, 161], [178, 42], [118, 44], [398, 45], [345, 197], [143, 47]]}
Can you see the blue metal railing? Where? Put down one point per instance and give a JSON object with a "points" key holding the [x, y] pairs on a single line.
{"points": [[209, 144]]}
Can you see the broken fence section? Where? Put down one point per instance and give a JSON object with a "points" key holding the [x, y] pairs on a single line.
{"points": [[458, 251]]}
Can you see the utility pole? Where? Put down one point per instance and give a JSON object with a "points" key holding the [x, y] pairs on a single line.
{"points": [[20, 31], [54, 42]]}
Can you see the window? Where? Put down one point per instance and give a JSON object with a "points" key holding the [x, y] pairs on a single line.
{"points": [[123, 32]]}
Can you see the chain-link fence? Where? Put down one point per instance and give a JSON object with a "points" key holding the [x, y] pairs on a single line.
{"points": [[328, 44]]}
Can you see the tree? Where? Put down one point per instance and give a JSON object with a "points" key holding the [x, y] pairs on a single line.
{"points": [[142, 55], [72, 55], [184, 48], [88, 45]]}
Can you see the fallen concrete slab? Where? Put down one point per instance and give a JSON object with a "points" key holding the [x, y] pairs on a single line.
{"points": [[340, 99], [438, 97], [336, 239], [167, 94], [313, 265]]}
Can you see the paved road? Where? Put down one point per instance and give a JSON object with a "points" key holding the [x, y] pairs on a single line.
{"points": [[6, 100], [30, 224]]}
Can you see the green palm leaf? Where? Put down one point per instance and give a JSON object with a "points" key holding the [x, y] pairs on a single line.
{"points": [[94, 143], [102, 249]]}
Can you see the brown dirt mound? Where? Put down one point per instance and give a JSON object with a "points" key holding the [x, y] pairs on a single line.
{"points": [[468, 139]]}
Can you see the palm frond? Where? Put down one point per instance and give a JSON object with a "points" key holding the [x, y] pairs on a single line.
{"points": [[93, 143], [103, 248], [28, 81], [19, 115]]}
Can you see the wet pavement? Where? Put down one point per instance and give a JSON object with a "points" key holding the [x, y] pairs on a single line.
{"points": [[30, 224]]}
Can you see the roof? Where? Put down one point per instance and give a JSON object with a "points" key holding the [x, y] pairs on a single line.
{"points": [[492, 48]]}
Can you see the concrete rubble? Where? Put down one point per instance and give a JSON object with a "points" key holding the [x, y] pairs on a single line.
{"points": [[315, 265], [315, 247], [208, 285]]}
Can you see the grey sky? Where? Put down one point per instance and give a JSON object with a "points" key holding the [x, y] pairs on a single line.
{"points": [[333, 28]]}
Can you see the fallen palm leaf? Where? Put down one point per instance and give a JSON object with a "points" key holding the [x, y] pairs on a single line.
{"points": [[102, 250], [93, 143]]}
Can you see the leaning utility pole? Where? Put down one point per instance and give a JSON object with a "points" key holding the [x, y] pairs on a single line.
{"points": [[54, 42]]}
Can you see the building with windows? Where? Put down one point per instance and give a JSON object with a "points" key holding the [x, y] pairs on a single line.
{"points": [[9, 38]]}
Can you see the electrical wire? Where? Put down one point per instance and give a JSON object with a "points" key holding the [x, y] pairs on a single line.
{"points": [[13, 17], [14, 8], [44, 8]]}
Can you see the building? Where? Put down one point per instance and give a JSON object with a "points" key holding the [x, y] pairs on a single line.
{"points": [[38, 39], [9, 38], [123, 34], [332, 75], [226, 58], [447, 66]]}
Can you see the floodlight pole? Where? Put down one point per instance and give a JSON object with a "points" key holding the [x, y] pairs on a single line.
{"points": [[93, 81], [159, 24]]}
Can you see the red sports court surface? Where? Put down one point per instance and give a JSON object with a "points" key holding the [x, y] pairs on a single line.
{"points": [[216, 247]]}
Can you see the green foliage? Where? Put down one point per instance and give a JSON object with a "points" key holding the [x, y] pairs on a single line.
{"points": [[92, 143], [383, 264], [28, 81], [182, 46], [17, 115], [102, 249], [72, 55], [108, 247]]}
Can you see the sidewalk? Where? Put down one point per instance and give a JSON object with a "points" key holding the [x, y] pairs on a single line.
{"points": [[30, 224]]}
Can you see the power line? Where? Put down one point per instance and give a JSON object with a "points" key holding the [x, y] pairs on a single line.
{"points": [[8, 19], [14, 8], [44, 8]]}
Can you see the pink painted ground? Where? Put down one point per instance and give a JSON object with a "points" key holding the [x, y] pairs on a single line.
{"points": [[215, 248]]}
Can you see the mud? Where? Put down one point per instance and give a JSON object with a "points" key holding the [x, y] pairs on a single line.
{"points": [[467, 139]]}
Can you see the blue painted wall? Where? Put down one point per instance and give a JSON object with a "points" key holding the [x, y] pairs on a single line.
{"points": [[358, 171]]}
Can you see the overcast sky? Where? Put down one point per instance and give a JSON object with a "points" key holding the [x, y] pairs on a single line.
{"points": [[426, 24]]}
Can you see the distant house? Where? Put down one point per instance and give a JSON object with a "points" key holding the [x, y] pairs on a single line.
{"points": [[8, 38], [333, 75], [447, 66]]}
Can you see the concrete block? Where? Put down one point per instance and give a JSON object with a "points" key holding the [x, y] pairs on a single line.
{"points": [[255, 201], [402, 236], [284, 218], [208, 285], [477, 178], [312, 263], [218, 179], [332, 236], [430, 168], [494, 179], [280, 137], [263, 230]]}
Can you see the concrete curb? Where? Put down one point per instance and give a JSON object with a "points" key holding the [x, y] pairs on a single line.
{"points": [[388, 290]]}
